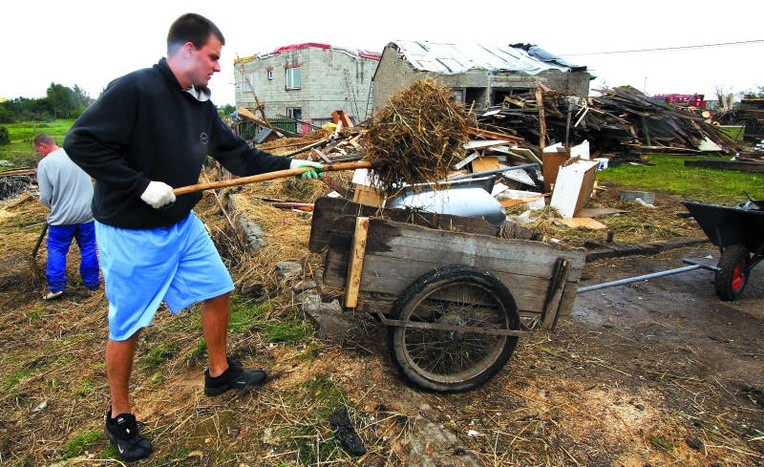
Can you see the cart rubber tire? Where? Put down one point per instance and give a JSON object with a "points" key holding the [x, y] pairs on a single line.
{"points": [[732, 277], [453, 361]]}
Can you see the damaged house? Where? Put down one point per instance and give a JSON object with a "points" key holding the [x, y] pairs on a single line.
{"points": [[306, 82], [479, 75]]}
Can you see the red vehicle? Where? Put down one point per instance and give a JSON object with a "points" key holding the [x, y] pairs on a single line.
{"points": [[682, 100]]}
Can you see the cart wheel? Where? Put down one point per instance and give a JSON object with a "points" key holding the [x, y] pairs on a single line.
{"points": [[453, 361], [732, 276]]}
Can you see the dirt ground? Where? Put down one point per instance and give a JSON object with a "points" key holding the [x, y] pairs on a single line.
{"points": [[658, 372]]}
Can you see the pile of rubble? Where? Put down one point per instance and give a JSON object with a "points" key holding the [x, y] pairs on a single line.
{"points": [[16, 181], [619, 123]]}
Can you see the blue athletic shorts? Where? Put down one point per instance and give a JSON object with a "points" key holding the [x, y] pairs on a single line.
{"points": [[141, 268]]}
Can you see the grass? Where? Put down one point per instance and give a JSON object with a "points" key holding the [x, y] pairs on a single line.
{"points": [[309, 435], [669, 174], [247, 315], [83, 442], [20, 151]]}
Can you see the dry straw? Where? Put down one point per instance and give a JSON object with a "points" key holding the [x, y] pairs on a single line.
{"points": [[417, 137]]}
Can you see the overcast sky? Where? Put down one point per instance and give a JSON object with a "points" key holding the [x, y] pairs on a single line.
{"points": [[78, 42]]}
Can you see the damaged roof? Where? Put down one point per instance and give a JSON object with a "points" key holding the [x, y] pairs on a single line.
{"points": [[359, 52], [458, 58]]}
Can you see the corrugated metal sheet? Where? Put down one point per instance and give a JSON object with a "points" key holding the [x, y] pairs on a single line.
{"points": [[459, 58]]}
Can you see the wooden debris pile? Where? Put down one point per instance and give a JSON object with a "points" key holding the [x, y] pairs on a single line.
{"points": [[749, 112], [13, 183], [660, 127], [417, 137], [323, 146], [620, 122]]}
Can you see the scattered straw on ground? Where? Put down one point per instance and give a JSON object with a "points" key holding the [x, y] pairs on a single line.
{"points": [[635, 224]]}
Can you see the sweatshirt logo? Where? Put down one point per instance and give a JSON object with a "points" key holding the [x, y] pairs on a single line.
{"points": [[204, 138]]}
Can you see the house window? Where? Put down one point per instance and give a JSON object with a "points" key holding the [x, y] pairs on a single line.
{"points": [[270, 74], [293, 78], [294, 112]]}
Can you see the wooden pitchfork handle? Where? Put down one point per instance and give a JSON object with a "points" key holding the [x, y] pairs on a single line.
{"points": [[270, 176]]}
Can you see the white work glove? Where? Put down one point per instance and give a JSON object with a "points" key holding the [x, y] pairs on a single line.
{"points": [[297, 163], [158, 194]]}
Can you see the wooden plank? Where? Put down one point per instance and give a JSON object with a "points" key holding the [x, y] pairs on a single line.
{"points": [[493, 134], [568, 299], [542, 118], [551, 166], [320, 155], [582, 222], [485, 164], [355, 265], [507, 203], [475, 144], [328, 210], [463, 163], [554, 293], [740, 166], [339, 117], [366, 195]]}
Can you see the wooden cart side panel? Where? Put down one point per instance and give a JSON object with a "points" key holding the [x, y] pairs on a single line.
{"points": [[391, 275], [327, 210], [397, 254]]}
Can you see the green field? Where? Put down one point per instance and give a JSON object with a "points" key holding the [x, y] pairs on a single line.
{"points": [[669, 174], [20, 152]]}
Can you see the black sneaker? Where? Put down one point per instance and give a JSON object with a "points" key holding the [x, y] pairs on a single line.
{"points": [[235, 377], [123, 432]]}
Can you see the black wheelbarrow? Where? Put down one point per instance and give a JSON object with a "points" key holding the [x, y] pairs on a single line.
{"points": [[739, 233]]}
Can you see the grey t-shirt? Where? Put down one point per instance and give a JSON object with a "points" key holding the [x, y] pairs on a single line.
{"points": [[64, 188]]}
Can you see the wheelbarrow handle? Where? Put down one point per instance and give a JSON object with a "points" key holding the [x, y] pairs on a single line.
{"points": [[270, 176]]}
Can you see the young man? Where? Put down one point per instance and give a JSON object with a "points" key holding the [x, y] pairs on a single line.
{"points": [[150, 131], [67, 191]]}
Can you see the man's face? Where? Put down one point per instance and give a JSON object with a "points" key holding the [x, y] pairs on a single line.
{"points": [[204, 62], [42, 149]]}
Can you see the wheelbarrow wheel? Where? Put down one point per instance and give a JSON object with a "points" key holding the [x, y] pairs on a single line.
{"points": [[732, 277], [449, 361]]}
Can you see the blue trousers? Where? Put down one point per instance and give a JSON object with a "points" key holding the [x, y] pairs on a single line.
{"points": [[59, 239]]}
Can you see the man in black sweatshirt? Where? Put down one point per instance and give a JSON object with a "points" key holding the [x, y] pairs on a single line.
{"points": [[151, 130]]}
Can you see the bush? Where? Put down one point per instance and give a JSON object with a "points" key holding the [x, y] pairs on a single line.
{"points": [[4, 137]]}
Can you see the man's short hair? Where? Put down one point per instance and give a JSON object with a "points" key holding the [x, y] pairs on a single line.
{"points": [[193, 28], [43, 138]]}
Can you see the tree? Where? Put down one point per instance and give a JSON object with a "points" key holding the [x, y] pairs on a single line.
{"points": [[4, 138], [754, 94], [62, 101], [29, 109], [6, 113], [81, 97], [225, 111]]}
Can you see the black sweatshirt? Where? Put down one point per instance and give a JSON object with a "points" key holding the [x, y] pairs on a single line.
{"points": [[144, 127]]}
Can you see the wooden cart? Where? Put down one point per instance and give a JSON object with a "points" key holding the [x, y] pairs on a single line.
{"points": [[454, 295]]}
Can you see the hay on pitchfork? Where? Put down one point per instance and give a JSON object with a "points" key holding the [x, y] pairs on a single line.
{"points": [[417, 137]]}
